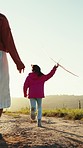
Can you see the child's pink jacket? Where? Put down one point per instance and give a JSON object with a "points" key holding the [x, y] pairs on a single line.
{"points": [[34, 84]]}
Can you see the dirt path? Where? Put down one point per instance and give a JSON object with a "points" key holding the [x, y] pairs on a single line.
{"points": [[19, 132]]}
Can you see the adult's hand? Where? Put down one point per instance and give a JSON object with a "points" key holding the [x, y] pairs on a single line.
{"points": [[20, 67]]}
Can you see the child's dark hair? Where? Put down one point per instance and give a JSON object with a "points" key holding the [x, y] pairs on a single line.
{"points": [[37, 69]]}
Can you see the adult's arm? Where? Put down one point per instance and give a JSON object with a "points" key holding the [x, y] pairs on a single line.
{"points": [[9, 45]]}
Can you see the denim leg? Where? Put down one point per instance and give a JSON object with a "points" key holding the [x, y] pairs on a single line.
{"points": [[39, 105], [33, 104]]}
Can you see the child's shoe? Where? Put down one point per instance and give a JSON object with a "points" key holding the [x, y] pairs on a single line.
{"points": [[1, 136], [33, 114], [39, 123]]}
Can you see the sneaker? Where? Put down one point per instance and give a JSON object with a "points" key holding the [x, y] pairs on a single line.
{"points": [[39, 123], [1, 136], [33, 114]]}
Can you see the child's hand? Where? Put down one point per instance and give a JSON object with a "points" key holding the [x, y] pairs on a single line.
{"points": [[25, 95], [57, 65]]}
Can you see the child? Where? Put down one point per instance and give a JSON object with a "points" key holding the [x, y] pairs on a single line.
{"points": [[34, 84]]}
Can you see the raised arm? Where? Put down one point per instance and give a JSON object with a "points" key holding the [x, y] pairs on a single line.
{"points": [[51, 73]]}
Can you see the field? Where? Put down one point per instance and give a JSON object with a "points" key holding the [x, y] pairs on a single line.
{"points": [[63, 101], [69, 107], [50, 102]]}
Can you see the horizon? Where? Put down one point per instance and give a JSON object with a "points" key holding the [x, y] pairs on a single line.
{"points": [[50, 95]]}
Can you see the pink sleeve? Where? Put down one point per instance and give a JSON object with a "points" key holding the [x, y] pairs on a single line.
{"points": [[25, 87], [50, 74]]}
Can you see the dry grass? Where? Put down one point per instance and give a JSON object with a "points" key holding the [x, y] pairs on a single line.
{"points": [[73, 114]]}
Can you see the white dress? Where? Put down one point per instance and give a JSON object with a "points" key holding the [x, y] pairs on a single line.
{"points": [[4, 81]]}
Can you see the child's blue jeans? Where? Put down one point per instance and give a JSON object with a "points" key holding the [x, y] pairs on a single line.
{"points": [[33, 102]]}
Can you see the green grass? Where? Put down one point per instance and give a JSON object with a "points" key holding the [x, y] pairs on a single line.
{"points": [[69, 114], [74, 114]]}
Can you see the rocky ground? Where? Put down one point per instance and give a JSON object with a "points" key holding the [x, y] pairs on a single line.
{"points": [[19, 132]]}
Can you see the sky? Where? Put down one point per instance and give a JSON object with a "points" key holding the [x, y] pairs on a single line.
{"points": [[45, 29]]}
